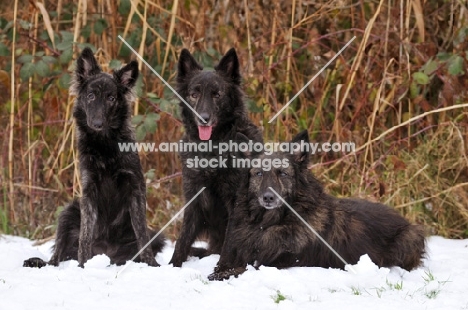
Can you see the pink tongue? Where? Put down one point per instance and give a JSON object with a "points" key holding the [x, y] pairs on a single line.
{"points": [[204, 132]]}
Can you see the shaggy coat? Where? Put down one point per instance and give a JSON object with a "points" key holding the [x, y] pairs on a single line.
{"points": [[263, 230], [217, 98], [110, 217]]}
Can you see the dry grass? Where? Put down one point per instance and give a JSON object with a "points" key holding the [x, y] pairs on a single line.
{"points": [[397, 92]]}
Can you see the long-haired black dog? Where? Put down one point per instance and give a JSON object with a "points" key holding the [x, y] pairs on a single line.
{"points": [[263, 230], [110, 217], [217, 97]]}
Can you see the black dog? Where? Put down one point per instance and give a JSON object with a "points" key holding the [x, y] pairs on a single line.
{"points": [[110, 217], [264, 231], [216, 96]]}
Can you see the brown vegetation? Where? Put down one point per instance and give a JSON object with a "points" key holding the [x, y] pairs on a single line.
{"points": [[399, 91]]}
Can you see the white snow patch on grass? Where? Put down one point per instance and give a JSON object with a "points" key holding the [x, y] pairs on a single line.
{"points": [[440, 284]]}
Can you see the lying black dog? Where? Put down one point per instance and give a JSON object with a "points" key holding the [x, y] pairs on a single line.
{"points": [[263, 231]]}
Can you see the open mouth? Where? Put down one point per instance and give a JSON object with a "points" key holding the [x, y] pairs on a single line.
{"points": [[270, 206], [204, 132]]}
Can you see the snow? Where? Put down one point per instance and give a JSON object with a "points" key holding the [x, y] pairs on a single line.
{"points": [[441, 283]]}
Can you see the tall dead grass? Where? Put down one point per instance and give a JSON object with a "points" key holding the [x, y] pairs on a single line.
{"points": [[397, 92]]}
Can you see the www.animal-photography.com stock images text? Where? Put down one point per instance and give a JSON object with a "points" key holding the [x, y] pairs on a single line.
{"points": [[166, 154]]}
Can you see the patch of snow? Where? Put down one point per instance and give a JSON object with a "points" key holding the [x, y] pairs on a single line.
{"points": [[441, 283]]}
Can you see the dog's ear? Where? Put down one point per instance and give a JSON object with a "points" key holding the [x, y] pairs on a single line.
{"points": [[128, 75], [229, 66], [300, 146], [187, 64], [86, 66], [241, 138]]}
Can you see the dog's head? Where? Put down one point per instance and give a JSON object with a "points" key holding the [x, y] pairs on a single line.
{"points": [[103, 100], [281, 171], [209, 93]]}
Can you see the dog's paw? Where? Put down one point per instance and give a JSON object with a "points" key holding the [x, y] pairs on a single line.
{"points": [[153, 263], [226, 274], [176, 263], [34, 262]]}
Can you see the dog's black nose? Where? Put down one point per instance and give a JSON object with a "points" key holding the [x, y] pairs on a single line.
{"points": [[97, 124], [268, 197], [206, 117]]}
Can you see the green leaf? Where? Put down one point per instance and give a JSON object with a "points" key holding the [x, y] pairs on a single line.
{"points": [[115, 64], [443, 56], [414, 90], [151, 122], [137, 119], [67, 36], [25, 24], [124, 7], [150, 174], [49, 59], [139, 86], [430, 66], [165, 105], [26, 71], [64, 81], [86, 31], [140, 132], [64, 46], [99, 26], [24, 59], [455, 65], [3, 22], [42, 69], [421, 78], [4, 51], [133, 39], [460, 38], [66, 56], [8, 26]]}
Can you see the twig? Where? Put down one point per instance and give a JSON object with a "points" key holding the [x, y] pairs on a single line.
{"points": [[409, 121], [158, 110], [433, 196], [175, 5], [12, 118], [169, 177], [41, 43]]}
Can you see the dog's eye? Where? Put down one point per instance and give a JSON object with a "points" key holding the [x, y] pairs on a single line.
{"points": [[91, 96], [216, 95], [259, 174], [111, 99], [283, 174], [194, 95]]}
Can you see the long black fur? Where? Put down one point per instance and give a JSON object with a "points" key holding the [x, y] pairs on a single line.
{"points": [[217, 97], [263, 230], [110, 217]]}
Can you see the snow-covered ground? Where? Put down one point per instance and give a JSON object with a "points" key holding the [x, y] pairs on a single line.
{"points": [[442, 283]]}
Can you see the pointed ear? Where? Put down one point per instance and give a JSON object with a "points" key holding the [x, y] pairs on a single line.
{"points": [[241, 138], [187, 64], [128, 75], [300, 147], [86, 66], [229, 66]]}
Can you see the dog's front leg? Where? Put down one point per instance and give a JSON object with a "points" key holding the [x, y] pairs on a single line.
{"points": [[227, 265], [138, 217], [88, 214]]}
